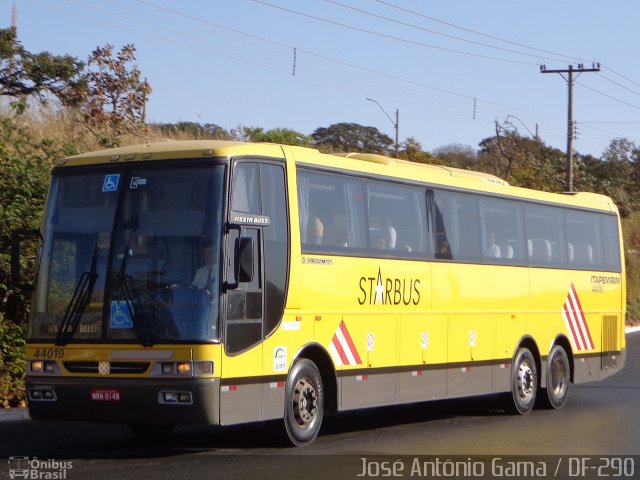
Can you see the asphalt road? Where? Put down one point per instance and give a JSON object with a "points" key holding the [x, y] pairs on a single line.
{"points": [[600, 418]]}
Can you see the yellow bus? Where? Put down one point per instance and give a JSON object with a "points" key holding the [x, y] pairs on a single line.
{"points": [[211, 282]]}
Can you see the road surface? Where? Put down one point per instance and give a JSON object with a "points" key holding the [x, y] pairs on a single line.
{"points": [[600, 418]]}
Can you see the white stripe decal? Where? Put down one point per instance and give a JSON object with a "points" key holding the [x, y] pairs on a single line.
{"points": [[576, 322]]}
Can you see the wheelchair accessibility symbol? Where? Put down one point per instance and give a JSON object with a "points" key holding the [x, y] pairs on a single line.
{"points": [[120, 315], [111, 183]]}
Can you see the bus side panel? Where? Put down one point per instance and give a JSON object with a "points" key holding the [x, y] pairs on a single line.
{"points": [[241, 387], [584, 307], [476, 298], [279, 353], [422, 354], [509, 329]]}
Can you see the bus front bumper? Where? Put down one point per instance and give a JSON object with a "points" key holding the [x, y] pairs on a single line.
{"points": [[130, 401]]}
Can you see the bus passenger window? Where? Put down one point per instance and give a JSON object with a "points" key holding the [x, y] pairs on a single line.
{"points": [[396, 218]]}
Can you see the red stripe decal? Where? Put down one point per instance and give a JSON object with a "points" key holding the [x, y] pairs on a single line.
{"points": [[577, 320], [340, 350], [352, 347], [582, 317], [570, 322]]}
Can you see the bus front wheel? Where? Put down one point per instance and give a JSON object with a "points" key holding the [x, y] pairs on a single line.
{"points": [[304, 403], [524, 382], [558, 378]]}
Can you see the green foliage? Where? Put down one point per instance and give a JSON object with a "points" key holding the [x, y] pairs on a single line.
{"points": [[25, 165], [24, 74], [113, 98], [631, 234], [351, 137], [456, 155], [284, 136], [522, 161], [12, 364]]}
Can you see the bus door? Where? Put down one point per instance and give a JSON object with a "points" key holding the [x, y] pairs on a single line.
{"points": [[256, 260]]}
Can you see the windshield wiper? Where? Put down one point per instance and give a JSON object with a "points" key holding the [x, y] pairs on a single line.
{"points": [[127, 289], [78, 304]]}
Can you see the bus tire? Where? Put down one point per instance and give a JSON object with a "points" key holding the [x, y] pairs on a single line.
{"points": [[304, 403], [558, 377], [524, 382]]}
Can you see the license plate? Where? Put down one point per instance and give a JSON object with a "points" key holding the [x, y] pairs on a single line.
{"points": [[105, 395]]}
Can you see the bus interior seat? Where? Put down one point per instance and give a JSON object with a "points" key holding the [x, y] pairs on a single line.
{"points": [[507, 251], [570, 252], [383, 238], [539, 249], [406, 240], [335, 233], [315, 231], [583, 253]]}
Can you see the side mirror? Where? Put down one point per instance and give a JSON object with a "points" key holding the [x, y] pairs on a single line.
{"points": [[17, 237], [244, 259]]}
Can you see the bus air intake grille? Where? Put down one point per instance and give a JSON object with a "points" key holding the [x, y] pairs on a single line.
{"points": [[116, 368], [609, 340]]}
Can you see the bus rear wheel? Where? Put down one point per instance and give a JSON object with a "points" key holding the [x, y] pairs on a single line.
{"points": [[558, 377], [304, 403], [524, 382]]}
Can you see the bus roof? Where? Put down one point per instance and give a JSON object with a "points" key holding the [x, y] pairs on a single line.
{"points": [[357, 162]]}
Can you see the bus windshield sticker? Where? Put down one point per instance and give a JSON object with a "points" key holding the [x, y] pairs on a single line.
{"points": [[250, 219], [137, 182], [111, 183], [120, 315]]}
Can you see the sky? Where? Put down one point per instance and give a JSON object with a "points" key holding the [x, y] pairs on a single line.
{"points": [[450, 68]]}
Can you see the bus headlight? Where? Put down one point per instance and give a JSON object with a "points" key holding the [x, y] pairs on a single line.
{"points": [[43, 367], [184, 368], [202, 368]]}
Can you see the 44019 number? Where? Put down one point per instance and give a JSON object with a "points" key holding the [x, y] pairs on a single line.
{"points": [[48, 353]]}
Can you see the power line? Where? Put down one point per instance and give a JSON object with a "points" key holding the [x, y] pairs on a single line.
{"points": [[412, 100], [333, 60], [405, 24], [620, 75], [570, 123], [102, 21], [618, 84], [608, 96], [188, 35], [413, 12], [391, 37]]}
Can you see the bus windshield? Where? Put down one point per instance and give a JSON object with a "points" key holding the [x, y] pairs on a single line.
{"points": [[131, 255]]}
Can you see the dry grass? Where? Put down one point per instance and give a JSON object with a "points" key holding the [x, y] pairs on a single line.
{"points": [[45, 122]]}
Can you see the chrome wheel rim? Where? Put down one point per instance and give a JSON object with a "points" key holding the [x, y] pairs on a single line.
{"points": [[304, 403], [558, 378], [526, 381]]}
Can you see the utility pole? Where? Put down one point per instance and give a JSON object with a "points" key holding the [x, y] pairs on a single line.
{"points": [[396, 124], [568, 183]]}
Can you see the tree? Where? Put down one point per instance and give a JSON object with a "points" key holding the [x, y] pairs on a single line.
{"points": [[23, 74], [283, 136], [199, 131], [411, 150], [522, 161], [351, 137], [616, 174], [25, 165], [456, 155], [114, 98]]}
